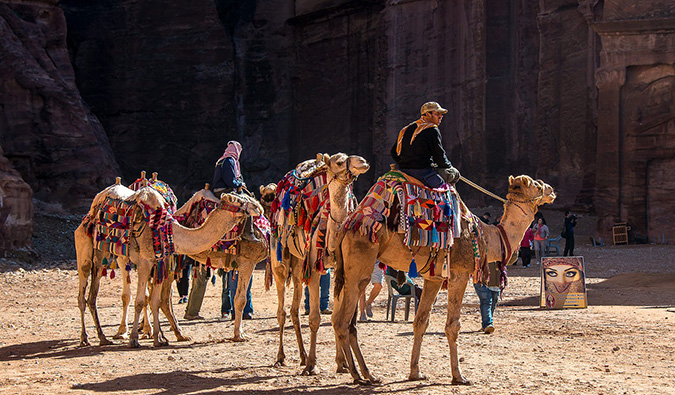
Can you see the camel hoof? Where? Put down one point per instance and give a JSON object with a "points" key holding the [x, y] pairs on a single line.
{"points": [[342, 369], [105, 342], [183, 338], [308, 371], [133, 343], [417, 377], [238, 339], [362, 382], [161, 343], [278, 364], [375, 380], [146, 336], [84, 343], [461, 381]]}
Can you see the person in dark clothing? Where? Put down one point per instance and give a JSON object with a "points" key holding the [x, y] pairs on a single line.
{"points": [[402, 283], [183, 283], [418, 149], [570, 223], [227, 174], [485, 217]]}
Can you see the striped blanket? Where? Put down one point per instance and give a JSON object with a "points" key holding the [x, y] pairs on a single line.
{"points": [[302, 202], [160, 186], [427, 217]]}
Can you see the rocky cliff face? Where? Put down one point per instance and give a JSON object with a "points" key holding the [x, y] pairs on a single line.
{"points": [[16, 209], [46, 131]]}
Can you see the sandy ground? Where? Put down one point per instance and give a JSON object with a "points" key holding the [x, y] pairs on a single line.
{"points": [[621, 344]]}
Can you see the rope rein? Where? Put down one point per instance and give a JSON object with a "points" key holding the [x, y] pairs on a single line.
{"points": [[485, 191]]}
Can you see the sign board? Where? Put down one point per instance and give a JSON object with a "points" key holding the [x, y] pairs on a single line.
{"points": [[563, 283]]}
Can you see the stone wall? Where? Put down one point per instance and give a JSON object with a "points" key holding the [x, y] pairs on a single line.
{"points": [[16, 209], [46, 131]]}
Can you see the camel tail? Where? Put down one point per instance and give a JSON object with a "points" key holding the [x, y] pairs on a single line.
{"points": [[339, 266]]}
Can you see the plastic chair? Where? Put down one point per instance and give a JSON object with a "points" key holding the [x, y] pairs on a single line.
{"points": [[393, 296], [553, 244]]}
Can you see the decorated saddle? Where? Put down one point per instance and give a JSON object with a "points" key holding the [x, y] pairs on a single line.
{"points": [[302, 207], [114, 220], [200, 208], [426, 217]]}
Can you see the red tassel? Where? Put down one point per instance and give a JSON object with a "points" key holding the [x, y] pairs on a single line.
{"points": [[128, 279], [104, 272], [208, 262], [432, 269], [112, 274], [445, 285], [382, 266]]}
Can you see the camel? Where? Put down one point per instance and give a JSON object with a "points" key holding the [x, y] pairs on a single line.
{"points": [[357, 253], [249, 253], [234, 209], [340, 171]]}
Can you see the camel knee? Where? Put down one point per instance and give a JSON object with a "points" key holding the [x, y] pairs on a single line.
{"points": [[452, 329]]}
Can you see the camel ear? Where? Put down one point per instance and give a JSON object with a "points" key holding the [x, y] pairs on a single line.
{"points": [[511, 180], [319, 157], [326, 158], [262, 189]]}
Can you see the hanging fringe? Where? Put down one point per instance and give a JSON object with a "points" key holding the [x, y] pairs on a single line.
{"points": [[412, 272], [104, 272], [279, 250], [445, 285], [112, 274]]}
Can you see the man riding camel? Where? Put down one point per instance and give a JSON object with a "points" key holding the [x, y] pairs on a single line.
{"points": [[418, 149]]}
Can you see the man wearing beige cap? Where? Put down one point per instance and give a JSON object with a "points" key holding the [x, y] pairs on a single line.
{"points": [[418, 149]]}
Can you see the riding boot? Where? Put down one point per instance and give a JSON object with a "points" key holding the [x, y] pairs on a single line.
{"points": [[249, 231]]}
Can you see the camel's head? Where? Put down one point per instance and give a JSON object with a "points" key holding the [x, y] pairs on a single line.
{"points": [[268, 193], [241, 204], [524, 188], [345, 168]]}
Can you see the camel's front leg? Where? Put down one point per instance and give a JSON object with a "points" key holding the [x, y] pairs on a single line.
{"points": [[155, 300], [91, 302], [84, 270], [314, 321], [353, 337], [126, 299], [280, 272], [143, 269], [457, 281], [344, 311], [167, 309], [245, 276], [295, 308], [421, 324]]}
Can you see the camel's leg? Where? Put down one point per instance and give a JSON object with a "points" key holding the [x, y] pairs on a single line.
{"points": [[457, 281], [91, 302], [155, 300], [353, 338], [147, 329], [314, 321], [245, 273], [167, 309], [420, 325], [143, 269], [280, 272], [343, 315], [296, 268], [126, 298], [84, 270]]}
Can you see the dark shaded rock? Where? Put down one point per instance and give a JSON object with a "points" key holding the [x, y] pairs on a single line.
{"points": [[47, 132], [16, 209]]}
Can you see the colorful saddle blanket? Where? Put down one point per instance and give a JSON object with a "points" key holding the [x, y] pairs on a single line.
{"points": [[427, 217], [163, 188], [199, 211], [302, 201], [112, 226]]}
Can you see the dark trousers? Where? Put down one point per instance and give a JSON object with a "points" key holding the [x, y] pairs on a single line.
{"points": [[429, 177], [230, 282], [183, 284], [526, 255], [569, 246]]}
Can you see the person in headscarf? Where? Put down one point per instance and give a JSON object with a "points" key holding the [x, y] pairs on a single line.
{"points": [[227, 175], [418, 149]]}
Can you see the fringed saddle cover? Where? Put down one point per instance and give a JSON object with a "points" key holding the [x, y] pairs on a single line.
{"points": [[427, 217], [160, 186], [111, 228], [302, 202], [198, 213]]}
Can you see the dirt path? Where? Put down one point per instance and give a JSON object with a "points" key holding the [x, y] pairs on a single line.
{"points": [[623, 343]]}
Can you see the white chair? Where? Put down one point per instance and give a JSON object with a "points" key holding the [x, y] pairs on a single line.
{"points": [[393, 296]]}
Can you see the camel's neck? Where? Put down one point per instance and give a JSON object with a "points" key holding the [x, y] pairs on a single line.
{"points": [[194, 241], [515, 221], [339, 200]]}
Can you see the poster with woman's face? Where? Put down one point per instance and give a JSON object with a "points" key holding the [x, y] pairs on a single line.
{"points": [[563, 282]]}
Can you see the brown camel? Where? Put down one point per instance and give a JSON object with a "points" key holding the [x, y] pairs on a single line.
{"points": [[141, 252], [340, 171], [249, 253], [357, 254]]}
